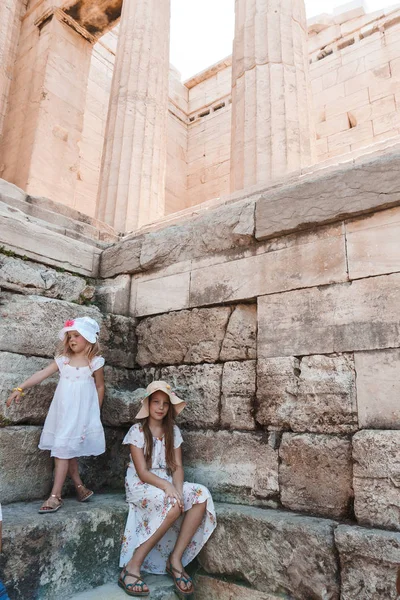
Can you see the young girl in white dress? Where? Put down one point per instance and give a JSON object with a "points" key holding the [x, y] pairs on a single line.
{"points": [[169, 520], [72, 427]]}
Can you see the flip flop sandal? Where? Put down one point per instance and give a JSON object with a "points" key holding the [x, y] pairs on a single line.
{"points": [[181, 577], [48, 505], [83, 494], [128, 587]]}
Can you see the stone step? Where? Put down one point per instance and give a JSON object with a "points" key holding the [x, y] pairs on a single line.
{"points": [[161, 588]]}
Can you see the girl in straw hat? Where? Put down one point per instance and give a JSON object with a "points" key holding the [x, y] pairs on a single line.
{"points": [[72, 427], [169, 520]]}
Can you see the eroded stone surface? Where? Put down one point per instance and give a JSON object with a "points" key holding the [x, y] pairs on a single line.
{"points": [[298, 554], [26, 471], [238, 394], [187, 336], [237, 467], [210, 588], [315, 474], [123, 257], [241, 334], [112, 295], [369, 561], [377, 478], [200, 387]]}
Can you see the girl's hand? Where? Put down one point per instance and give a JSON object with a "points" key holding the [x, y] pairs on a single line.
{"points": [[16, 395], [173, 495]]}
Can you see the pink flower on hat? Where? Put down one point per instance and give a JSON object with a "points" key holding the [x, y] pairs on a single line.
{"points": [[69, 323]]}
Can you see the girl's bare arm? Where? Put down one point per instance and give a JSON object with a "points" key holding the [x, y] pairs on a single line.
{"points": [[147, 477], [99, 382], [178, 475], [36, 378]]}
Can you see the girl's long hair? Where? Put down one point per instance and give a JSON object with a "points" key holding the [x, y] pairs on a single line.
{"points": [[92, 350], [168, 424]]}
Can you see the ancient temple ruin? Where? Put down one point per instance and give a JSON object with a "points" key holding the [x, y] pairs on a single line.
{"points": [[237, 234]]}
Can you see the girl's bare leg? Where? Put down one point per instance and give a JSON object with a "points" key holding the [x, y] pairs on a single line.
{"points": [[73, 472], [192, 520], [134, 565], [60, 473]]}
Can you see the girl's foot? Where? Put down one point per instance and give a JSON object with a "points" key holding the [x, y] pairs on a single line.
{"points": [[183, 582], [132, 584], [51, 505], [83, 493]]}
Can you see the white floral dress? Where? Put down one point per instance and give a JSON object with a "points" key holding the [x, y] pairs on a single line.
{"points": [[148, 508], [73, 427]]}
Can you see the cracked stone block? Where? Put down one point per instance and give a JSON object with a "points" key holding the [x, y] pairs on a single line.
{"points": [[241, 335], [238, 393], [187, 336], [369, 561], [112, 295], [377, 478], [236, 466], [274, 552], [315, 474], [277, 390], [200, 387]]}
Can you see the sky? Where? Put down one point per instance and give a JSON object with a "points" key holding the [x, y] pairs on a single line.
{"points": [[202, 30]]}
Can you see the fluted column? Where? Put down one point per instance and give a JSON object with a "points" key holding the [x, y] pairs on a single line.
{"points": [[132, 179], [271, 101]]}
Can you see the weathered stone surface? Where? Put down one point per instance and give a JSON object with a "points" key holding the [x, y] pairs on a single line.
{"points": [[77, 548], [237, 467], [46, 243], [27, 277], [302, 265], [240, 341], [316, 394], [30, 325], [378, 389], [187, 336], [362, 315], [162, 294], [112, 295], [200, 387], [210, 588], [369, 561], [297, 553], [351, 189], [315, 474], [26, 471], [121, 406], [161, 586], [238, 394], [33, 407], [377, 478], [121, 258]]}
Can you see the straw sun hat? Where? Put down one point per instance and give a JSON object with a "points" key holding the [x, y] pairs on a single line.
{"points": [[161, 386]]}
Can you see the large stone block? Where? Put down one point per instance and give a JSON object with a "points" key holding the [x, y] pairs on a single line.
{"points": [[30, 325], [274, 552], [210, 588], [237, 467], [362, 315], [378, 389], [315, 474], [377, 478], [76, 549], [27, 277], [320, 197], [316, 394], [240, 341], [26, 471], [112, 295], [317, 262], [200, 387], [190, 336], [369, 561], [162, 294], [121, 258], [238, 394]]}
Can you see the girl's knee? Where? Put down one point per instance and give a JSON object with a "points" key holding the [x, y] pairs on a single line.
{"points": [[174, 512]]}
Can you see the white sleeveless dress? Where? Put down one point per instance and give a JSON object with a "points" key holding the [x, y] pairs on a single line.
{"points": [[148, 508], [73, 427]]}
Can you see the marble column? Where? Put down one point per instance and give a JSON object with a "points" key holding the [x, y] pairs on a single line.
{"points": [[132, 179], [272, 133]]}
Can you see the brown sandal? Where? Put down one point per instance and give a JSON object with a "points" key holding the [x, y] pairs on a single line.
{"points": [[50, 506], [83, 493], [180, 577], [128, 587]]}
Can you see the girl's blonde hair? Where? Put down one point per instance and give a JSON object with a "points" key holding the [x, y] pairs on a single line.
{"points": [[92, 350]]}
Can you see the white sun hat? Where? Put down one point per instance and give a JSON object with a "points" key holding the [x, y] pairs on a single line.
{"points": [[86, 326]]}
